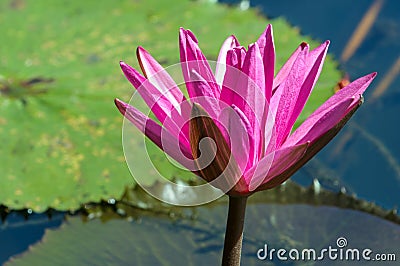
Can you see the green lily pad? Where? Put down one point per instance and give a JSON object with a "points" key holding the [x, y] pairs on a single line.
{"points": [[61, 140], [149, 240]]}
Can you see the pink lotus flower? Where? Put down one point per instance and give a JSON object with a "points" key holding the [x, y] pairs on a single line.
{"points": [[247, 111]]}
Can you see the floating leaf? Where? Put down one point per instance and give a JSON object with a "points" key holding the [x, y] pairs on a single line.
{"points": [[61, 140], [156, 241]]}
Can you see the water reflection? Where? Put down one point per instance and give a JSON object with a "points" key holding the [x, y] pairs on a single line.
{"points": [[17, 233], [365, 156]]}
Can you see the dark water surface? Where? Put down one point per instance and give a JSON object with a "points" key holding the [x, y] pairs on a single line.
{"points": [[17, 233], [365, 156]]}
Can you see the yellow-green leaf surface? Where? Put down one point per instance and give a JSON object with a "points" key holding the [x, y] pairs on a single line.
{"points": [[60, 133]]}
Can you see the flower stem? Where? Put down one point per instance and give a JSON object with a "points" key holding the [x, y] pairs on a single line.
{"points": [[234, 231]]}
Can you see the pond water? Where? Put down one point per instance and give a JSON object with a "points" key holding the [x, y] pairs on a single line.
{"points": [[185, 241], [364, 158], [17, 233]]}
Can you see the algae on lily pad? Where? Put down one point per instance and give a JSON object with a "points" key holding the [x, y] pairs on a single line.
{"points": [[60, 133], [156, 241]]}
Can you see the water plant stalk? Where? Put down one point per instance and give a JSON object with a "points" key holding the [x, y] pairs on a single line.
{"points": [[234, 231]]}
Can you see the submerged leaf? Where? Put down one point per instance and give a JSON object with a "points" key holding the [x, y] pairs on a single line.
{"points": [[156, 241]]}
